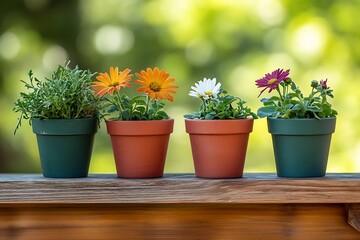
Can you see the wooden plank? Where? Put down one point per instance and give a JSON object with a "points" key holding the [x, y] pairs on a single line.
{"points": [[175, 221], [179, 188]]}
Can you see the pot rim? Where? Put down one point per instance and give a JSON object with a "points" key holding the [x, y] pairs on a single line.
{"points": [[141, 127], [301, 126], [73, 126], [137, 121], [219, 120], [218, 126], [301, 119]]}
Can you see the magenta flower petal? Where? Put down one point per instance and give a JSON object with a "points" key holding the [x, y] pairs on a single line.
{"points": [[271, 80], [323, 83]]}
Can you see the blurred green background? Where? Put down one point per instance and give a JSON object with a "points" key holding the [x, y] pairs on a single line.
{"points": [[235, 41]]}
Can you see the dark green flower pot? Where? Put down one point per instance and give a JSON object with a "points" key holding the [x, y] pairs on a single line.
{"points": [[301, 146], [65, 146]]}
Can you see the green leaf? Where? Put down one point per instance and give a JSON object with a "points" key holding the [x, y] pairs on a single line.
{"points": [[289, 106], [141, 109], [292, 95], [333, 113], [138, 101], [209, 117], [163, 115], [126, 115], [296, 107], [314, 109], [188, 116], [266, 111], [274, 98]]}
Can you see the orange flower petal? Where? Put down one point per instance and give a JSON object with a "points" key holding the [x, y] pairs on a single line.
{"points": [[169, 80], [101, 92], [114, 72], [152, 95], [104, 77], [169, 97], [143, 76], [172, 86], [171, 91], [141, 89]]}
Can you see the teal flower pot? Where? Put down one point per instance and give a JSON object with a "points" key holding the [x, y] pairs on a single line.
{"points": [[65, 146], [301, 146]]}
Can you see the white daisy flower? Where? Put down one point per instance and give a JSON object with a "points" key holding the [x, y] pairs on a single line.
{"points": [[205, 89]]}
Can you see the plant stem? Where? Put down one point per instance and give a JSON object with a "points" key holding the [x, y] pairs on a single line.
{"points": [[117, 103], [278, 90], [147, 105], [285, 90], [204, 104], [312, 94], [282, 100]]}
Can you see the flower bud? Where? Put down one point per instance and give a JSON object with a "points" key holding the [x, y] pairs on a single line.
{"points": [[314, 83], [323, 83], [288, 80]]}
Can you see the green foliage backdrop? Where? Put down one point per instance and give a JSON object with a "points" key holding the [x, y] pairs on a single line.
{"points": [[235, 41]]}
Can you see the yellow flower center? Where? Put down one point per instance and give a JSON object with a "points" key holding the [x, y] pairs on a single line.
{"points": [[114, 84], [271, 81], [155, 87], [208, 93]]}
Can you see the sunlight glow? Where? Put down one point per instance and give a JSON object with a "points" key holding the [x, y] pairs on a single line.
{"points": [[199, 52], [113, 40], [270, 12], [54, 56], [309, 41], [9, 45]]}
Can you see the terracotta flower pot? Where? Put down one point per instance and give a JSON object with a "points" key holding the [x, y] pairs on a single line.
{"points": [[219, 146], [140, 147]]}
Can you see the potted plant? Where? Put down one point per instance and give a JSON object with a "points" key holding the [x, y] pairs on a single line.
{"points": [[219, 131], [63, 112], [138, 126], [301, 126]]}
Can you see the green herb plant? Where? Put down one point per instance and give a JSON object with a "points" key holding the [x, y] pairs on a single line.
{"points": [[67, 94]]}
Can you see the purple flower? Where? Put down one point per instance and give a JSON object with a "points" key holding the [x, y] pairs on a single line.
{"points": [[323, 84], [272, 80]]}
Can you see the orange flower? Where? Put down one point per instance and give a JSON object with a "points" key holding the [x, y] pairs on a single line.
{"points": [[113, 82], [156, 83]]}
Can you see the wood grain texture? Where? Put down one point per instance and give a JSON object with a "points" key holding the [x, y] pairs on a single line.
{"points": [[179, 206], [179, 188], [175, 221], [353, 215]]}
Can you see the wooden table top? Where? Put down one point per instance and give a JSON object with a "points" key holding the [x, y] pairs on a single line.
{"points": [[253, 188]]}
